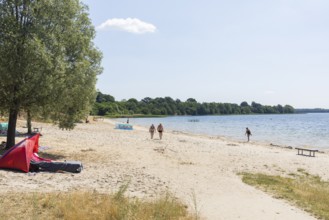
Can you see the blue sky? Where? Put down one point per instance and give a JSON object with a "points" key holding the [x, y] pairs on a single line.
{"points": [[271, 52]]}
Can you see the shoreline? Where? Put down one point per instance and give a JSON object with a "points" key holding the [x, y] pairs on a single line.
{"points": [[265, 128], [226, 138], [191, 167]]}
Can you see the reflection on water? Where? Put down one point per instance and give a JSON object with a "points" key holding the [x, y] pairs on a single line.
{"points": [[294, 129]]}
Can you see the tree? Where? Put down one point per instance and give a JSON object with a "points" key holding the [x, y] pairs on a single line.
{"points": [[257, 108], [192, 100], [48, 63], [279, 108], [132, 105], [288, 109], [104, 98], [202, 109], [146, 100], [244, 104]]}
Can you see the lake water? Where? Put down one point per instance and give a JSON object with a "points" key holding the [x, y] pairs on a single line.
{"points": [[296, 130]]}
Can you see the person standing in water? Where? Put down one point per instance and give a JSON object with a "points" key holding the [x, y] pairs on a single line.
{"points": [[160, 130], [248, 133], [152, 130]]}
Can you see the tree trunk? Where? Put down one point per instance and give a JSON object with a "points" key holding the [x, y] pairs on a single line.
{"points": [[29, 122], [11, 133]]}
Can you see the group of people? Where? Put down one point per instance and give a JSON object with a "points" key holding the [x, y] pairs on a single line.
{"points": [[160, 130]]}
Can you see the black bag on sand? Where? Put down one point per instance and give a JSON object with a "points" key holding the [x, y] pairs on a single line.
{"points": [[66, 166]]}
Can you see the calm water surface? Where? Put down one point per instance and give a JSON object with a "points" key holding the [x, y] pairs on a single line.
{"points": [[311, 130]]}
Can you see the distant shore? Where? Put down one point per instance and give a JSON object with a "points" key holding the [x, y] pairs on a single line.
{"points": [[196, 168]]}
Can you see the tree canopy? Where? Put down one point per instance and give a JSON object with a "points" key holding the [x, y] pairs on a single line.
{"points": [[48, 62], [168, 106]]}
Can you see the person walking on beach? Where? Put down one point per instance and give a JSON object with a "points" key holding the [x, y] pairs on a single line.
{"points": [[152, 130], [160, 130], [248, 133]]}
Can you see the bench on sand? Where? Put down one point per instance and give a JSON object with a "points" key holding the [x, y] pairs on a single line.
{"points": [[311, 152]]}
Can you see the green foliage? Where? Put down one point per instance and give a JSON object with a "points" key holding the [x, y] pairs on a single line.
{"points": [[312, 110], [168, 106], [104, 98], [48, 63]]}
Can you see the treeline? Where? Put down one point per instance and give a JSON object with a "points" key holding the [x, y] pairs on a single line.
{"points": [[311, 110], [106, 105]]}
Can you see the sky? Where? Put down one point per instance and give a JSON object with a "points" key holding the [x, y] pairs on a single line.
{"points": [[271, 52]]}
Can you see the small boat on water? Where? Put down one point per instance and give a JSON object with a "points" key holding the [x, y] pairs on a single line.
{"points": [[193, 120]]}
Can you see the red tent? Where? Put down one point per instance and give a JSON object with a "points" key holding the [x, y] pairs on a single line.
{"points": [[19, 156]]}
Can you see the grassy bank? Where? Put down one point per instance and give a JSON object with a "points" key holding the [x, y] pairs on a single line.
{"points": [[305, 191], [86, 205]]}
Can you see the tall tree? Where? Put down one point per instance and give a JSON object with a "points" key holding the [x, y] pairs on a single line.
{"points": [[48, 62]]}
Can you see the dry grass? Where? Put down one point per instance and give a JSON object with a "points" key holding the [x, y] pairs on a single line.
{"points": [[306, 191], [89, 205]]}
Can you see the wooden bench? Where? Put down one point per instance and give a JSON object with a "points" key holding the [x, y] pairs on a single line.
{"points": [[311, 152]]}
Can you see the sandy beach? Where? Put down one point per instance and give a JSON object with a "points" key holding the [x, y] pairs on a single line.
{"points": [[192, 167]]}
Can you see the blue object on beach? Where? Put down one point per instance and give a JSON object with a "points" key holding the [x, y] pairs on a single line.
{"points": [[3, 126], [124, 126]]}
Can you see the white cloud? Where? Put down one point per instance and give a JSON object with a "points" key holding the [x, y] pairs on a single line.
{"points": [[132, 25]]}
